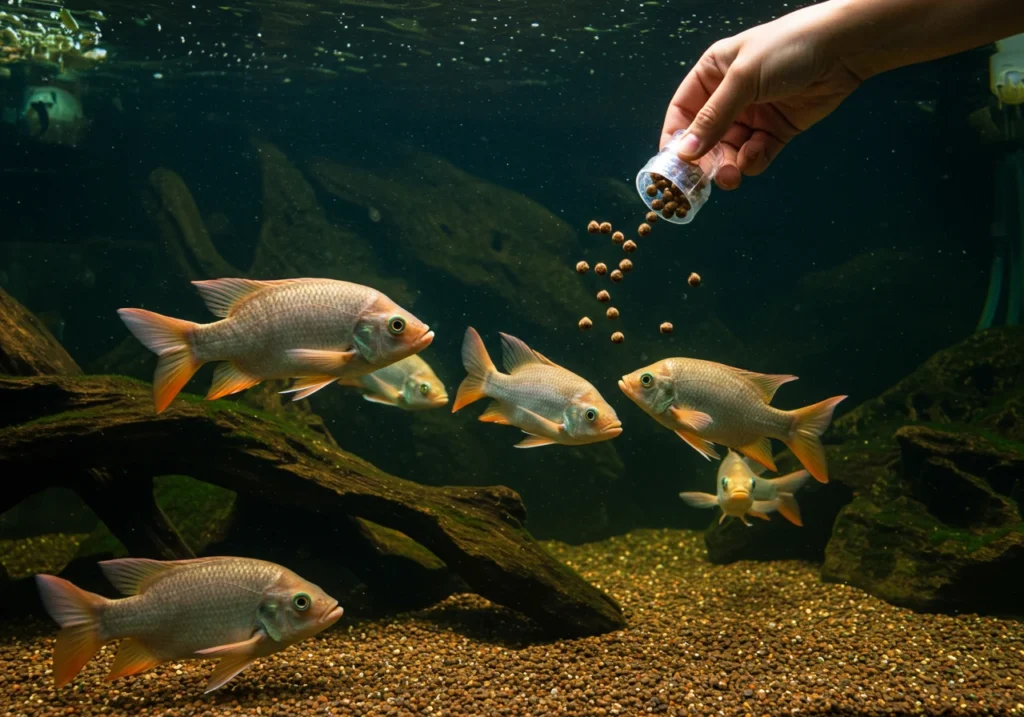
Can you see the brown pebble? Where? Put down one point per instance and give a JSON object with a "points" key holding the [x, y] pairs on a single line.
{"points": [[600, 269], [618, 237], [651, 217], [593, 227], [616, 276], [585, 323], [606, 227], [665, 328], [626, 265], [657, 205], [603, 295], [644, 229], [612, 312], [618, 338], [651, 190], [582, 267], [629, 247], [694, 280]]}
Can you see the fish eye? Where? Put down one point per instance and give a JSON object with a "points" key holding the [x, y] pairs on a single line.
{"points": [[396, 325], [590, 415], [753, 482], [424, 388], [302, 601], [646, 380], [725, 482]]}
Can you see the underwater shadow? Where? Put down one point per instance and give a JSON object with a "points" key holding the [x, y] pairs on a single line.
{"points": [[470, 617]]}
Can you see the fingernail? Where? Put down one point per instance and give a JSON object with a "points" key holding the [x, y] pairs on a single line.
{"points": [[689, 145]]}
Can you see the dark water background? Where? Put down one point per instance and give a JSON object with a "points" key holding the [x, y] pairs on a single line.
{"points": [[862, 252]]}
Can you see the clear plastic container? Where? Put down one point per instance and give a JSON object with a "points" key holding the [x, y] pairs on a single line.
{"points": [[689, 185]]}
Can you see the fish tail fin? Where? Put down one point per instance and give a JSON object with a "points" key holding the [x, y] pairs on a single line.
{"points": [[789, 509], [78, 614], [171, 340], [478, 365], [809, 423]]}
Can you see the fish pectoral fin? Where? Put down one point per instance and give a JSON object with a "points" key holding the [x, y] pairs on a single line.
{"points": [[132, 658], [535, 442], [758, 514], [383, 400], [699, 500], [308, 385], [694, 421], [495, 414], [760, 451], [534, 423], [722, 518], [245, 647], [705, 448], [228, 379], [322, 362]]}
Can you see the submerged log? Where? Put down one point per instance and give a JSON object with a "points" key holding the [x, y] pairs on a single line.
{"points": [[27, 348], [68, 425]]}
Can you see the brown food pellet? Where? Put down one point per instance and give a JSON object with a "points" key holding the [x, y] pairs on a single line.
{"points": [[665, 328], [593, 227], [603, 295], [644, 229], [629, 247], [585, 323], [618, 237], [662, 184], [694, 280], [618, 338], [612, 313], [684, 203], [582, 267], [600, 269], [671, 206], [651, 190], [657, 205], [626, 265], [651, 217], [680, 212], [616, 276], [667, 213], [656, 177], [606, 227]]}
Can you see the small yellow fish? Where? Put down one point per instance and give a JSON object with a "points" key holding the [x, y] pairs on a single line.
{"points": [[409, 384], [549, 403], [742, 492], [317, 330], [234, 609], [706, 402]]}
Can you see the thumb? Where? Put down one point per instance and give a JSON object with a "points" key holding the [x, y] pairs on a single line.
{"points": [[733, 94]]}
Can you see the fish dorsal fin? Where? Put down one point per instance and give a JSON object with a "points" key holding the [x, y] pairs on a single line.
{"points": [[544, 359], [515, 353], [221, 295], [132, 576], [765, 383]]}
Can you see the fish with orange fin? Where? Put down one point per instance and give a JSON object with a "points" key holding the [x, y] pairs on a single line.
{"points": [[742, 492], [547, 402], [232, 609], [706, 403], [315, 330]]}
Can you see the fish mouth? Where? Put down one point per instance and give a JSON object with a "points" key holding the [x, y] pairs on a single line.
{"points": [[612, 429], [332, 614], [624, 387], [440, 401], [739, 496], [423, 341]]}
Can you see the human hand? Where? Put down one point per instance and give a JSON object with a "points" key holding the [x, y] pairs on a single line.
{"points": [[757, 90]]}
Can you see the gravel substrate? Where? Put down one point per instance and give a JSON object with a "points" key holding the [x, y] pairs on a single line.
{"points": [[744, 639]]}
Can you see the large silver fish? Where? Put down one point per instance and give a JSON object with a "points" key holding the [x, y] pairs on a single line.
{"points": [[706, 403], [318, 330], [234, 609], [544, 400]]}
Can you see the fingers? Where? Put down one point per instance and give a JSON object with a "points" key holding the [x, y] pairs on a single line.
{"points": [[733, 94], [758, 152]]}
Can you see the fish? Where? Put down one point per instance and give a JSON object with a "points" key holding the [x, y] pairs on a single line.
{"points": [[409, 384], [742, 492], [707, 403], [316, 330], [232, 609], [547, 402]]}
